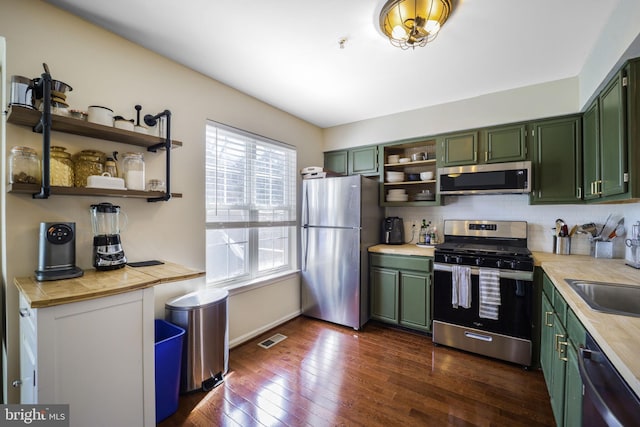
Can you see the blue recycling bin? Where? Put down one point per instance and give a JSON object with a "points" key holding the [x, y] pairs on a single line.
{"points": [[168, 354]]}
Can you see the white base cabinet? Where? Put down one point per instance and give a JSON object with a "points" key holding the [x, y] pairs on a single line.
{"points": [[96, 355]]}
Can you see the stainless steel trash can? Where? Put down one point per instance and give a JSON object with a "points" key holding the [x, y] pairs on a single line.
{"points": [[205, 358]]}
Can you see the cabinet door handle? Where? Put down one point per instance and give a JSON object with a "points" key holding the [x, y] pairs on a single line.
{"points": [[557, 346], [546, 319], [24, 312], [599, 187], [16, 383], [579, 193], [562, 351]]}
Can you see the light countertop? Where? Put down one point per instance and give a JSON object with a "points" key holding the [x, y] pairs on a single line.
{"points": [[406, 249], [96, 284]]}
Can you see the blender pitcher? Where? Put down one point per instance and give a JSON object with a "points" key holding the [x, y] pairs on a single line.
{"points": [[107, 248], [633, 256]]}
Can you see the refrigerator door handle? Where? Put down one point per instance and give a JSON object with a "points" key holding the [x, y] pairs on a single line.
{"points": [[305, 205], [305, 247]]}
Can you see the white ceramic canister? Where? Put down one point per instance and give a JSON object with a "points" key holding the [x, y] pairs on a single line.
{"points": [[100, 115], [133, 171]]}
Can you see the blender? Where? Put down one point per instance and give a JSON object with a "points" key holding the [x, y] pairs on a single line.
{"points": [[633, 256], [107, 248]]}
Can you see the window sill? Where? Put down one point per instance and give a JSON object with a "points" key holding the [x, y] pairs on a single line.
{"points": [[238, 288]]}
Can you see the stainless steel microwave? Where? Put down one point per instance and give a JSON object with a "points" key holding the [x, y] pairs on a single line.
{"points": [[491, 178]]}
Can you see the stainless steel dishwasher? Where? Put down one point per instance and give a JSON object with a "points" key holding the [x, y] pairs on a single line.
{"points": [[607, 400]]}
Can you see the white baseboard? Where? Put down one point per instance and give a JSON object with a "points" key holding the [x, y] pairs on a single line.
{"points": [[250, 335]]}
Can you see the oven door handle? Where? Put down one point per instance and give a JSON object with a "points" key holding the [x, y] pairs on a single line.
{"points": [[504, 274]]}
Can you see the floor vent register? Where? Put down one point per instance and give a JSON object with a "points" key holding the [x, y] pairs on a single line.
{"points": [[271, 341]]}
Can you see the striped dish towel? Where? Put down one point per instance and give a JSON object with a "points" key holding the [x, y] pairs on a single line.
{"points": [[460, 286], [489, 284]]}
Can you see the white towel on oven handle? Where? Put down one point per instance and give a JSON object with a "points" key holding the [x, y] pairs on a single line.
{"points": [[489, 290], [460, 286]]}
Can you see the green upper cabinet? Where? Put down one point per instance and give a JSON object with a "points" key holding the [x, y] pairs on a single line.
{"points": [[355, 161], [363, 161], [458, 149], [337, 161], [492, 145], [590, 150], [605, 143], [556, 160], [504, 143]]}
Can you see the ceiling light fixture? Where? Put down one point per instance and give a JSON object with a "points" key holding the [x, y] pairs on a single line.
{"points": [[411, 23]]}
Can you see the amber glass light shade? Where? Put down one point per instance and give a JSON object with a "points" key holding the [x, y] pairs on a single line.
{"points": [[411, 23]]}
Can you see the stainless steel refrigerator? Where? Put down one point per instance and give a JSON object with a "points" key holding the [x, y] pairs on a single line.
{"points": [[341, 218]]}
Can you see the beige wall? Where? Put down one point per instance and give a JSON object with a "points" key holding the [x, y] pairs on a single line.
{"points": [[104, 69]]}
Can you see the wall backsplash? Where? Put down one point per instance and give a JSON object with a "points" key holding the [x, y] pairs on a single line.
{"points": [[541, 219]]}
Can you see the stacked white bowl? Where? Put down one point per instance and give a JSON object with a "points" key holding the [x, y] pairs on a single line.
{"points": [[397, 195], [393, 176]]}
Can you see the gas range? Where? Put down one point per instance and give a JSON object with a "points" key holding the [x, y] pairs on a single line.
{"points": [[474, 255], [488, 244]]}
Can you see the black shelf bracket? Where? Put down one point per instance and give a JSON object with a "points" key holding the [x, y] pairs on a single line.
{"points": [[43, 86], [151, 120]]}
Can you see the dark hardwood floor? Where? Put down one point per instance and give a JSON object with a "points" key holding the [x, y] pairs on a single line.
{"points": [[326, 375]]}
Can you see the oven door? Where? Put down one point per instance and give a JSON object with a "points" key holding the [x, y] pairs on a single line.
{"points": [[516, 298]]}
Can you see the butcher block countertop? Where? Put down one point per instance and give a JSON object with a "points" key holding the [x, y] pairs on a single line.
{"points": [[96, 284], [406, 249], [618, 336]]}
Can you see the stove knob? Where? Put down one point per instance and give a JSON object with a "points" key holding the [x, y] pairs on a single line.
{"points": [[499, 263], [458, 260], [446, 258], [513, 264], [479, 261]]}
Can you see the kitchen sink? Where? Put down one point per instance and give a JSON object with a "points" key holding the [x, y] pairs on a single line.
{"points": [[614, 298]]}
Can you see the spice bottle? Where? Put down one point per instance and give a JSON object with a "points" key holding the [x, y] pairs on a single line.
{"points": [[24, 166], [133, 171], [111, 167]]}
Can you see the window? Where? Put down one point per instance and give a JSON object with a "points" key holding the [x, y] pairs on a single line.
{"points": [[250, 203]]}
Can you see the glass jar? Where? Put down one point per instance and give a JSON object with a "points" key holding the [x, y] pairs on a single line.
{"points": [[61, 168], [133, 171], [85, 166], [24, 166]]}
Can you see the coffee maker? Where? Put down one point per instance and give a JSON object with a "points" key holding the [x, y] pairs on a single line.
{"points": [[393, 231], [107, 248], [57, 252], [633, 255]]}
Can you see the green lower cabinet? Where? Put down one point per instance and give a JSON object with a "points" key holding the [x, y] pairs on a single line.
{"points": [[384, 294], [572, 390], [399, 295], [558, 372], [547, 351], [559, 357], [414, 301]]}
